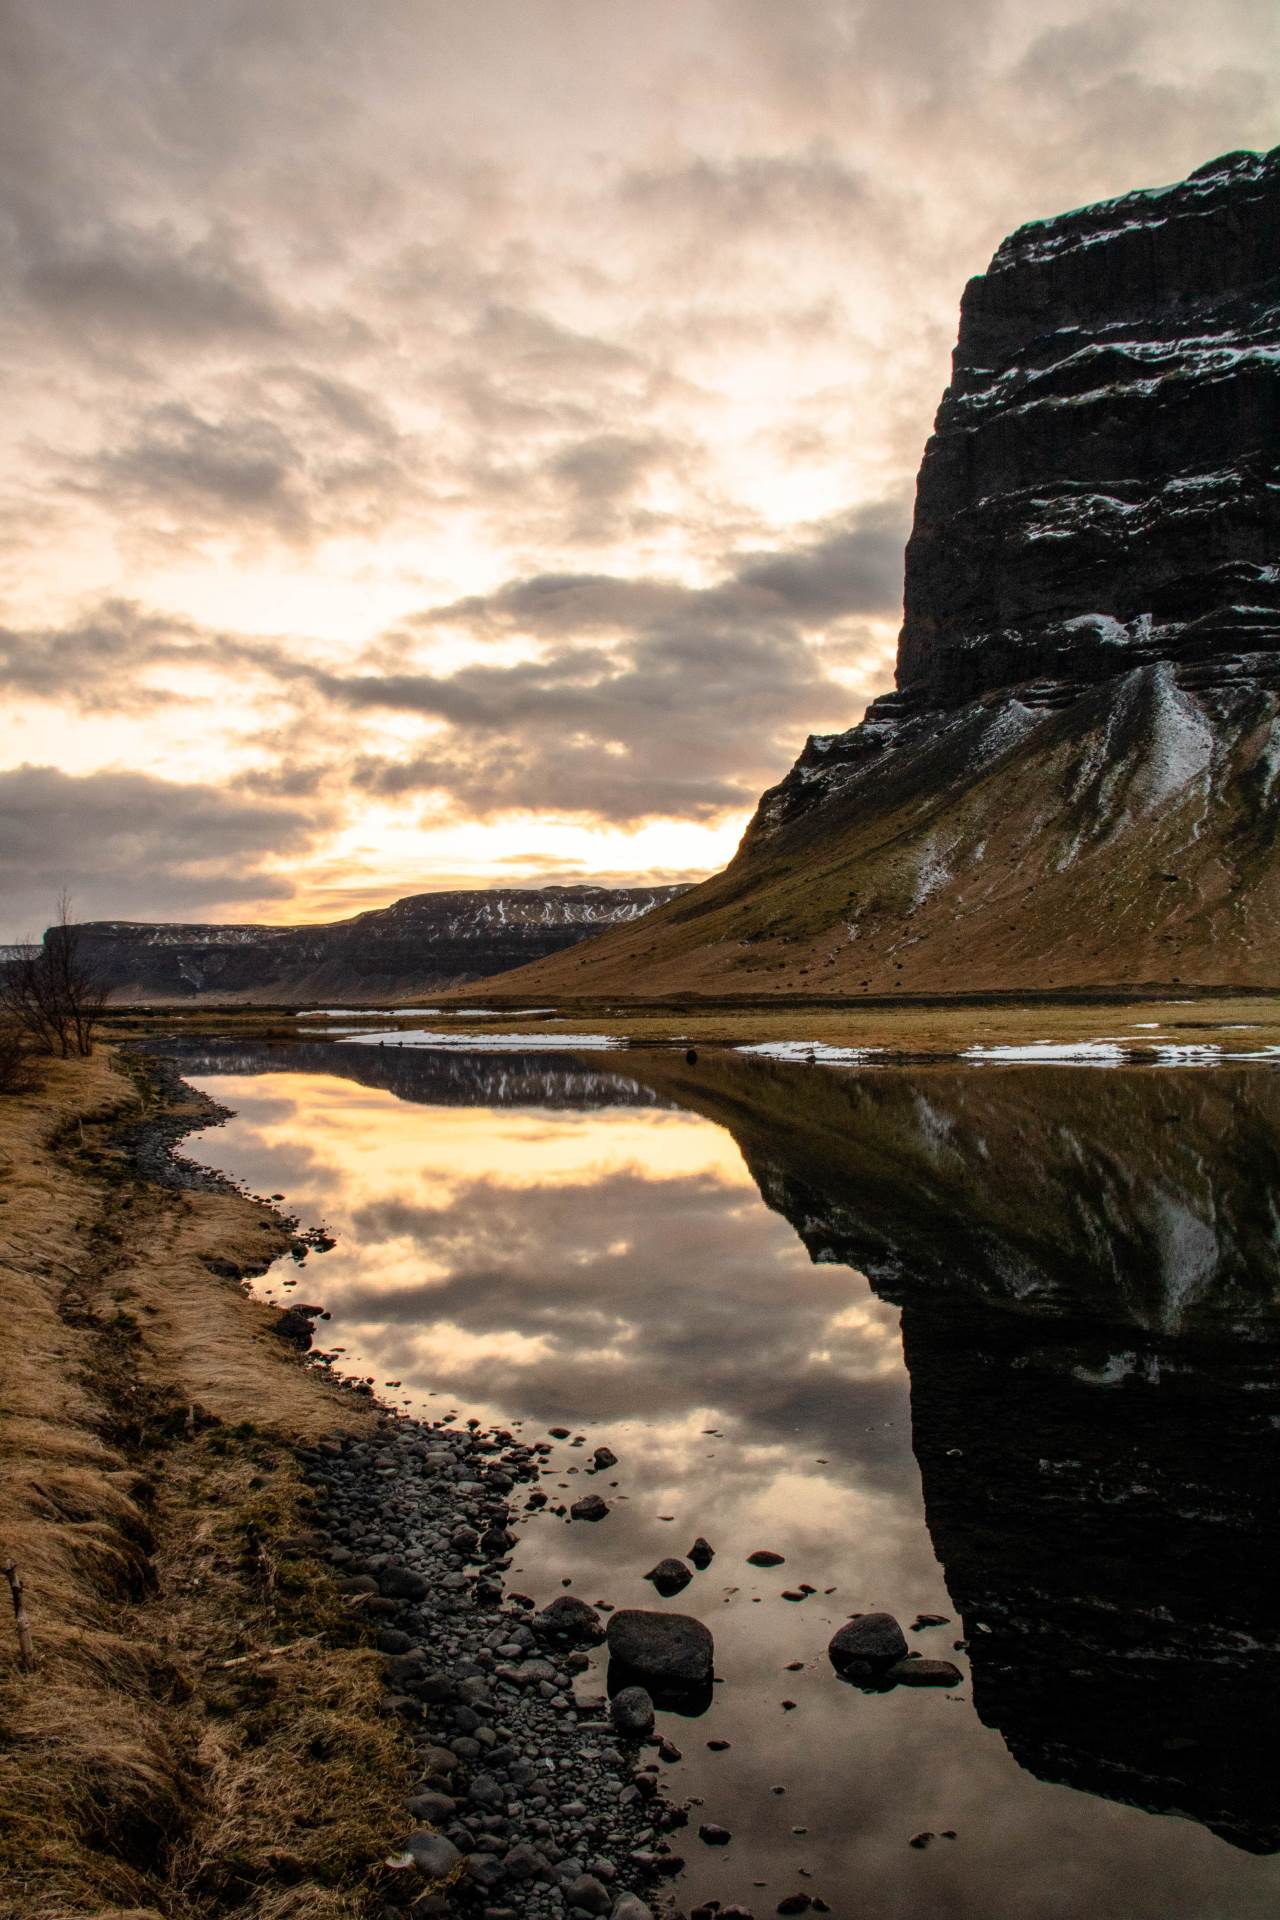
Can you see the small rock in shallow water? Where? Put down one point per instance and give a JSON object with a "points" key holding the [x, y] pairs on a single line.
{"points": [[925, 1673], [701, 1554], [590, 1507], [919, 1841], [632, 1713], [763, 1557], [714, 1836], [571, 1619], [604, 1457], [929, 1620], [669, 1576], [869, 1640]]}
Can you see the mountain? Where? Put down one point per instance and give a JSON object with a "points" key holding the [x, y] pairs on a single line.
{"points": [[1075, 783], [422, 944], [1091, 1323]]}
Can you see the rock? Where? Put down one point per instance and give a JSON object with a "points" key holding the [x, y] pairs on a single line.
{"points": [[671, 1648], [929, 1620], [868, 1641], [433, 1808], [590, 1507], [794, 1903], [701, 1554], [714, 1836], [434, 1856], [570, 1619], [920, 1840], [628, 1906], [402, 1583], [524, 1862], [632, 1713], [604, 1458], [762, 1557], [588, 1894], [669, 1576], [924, 1673]]}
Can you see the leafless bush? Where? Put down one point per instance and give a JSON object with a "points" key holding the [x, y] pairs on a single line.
{"points": [[15, 1066], [54, 995]]}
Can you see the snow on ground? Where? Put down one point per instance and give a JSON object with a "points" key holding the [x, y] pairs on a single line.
{"points": [[455, 1042], [809, 1052], [362, 1013], [1105, 1053]]}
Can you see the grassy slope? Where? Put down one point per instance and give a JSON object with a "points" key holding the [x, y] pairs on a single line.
{"points": [[147, 1415], [992, 850]]}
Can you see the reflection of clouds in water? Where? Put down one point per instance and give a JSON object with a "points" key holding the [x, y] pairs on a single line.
{"points": [[617, 1272], [607, 1266]]}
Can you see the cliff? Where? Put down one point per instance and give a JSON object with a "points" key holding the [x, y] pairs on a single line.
{"points": [[421, 944], [1075, 781]]}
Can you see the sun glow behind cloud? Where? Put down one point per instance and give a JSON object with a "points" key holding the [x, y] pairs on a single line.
{"points": [[478, 443]]}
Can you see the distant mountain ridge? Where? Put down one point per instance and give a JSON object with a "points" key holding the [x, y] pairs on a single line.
{"points": [[424, 943], [1077, 780]]}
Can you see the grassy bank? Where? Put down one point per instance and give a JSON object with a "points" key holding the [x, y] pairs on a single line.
{"points": [[200, 1733], [901, 1029]]}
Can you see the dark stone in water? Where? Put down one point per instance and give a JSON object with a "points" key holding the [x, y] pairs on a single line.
{"points": [[925, 1673], [762, 1557], [870, 1642], [570, 1619], [674, 1649], [669, 1576], [590, 1507], [701, 1554]]}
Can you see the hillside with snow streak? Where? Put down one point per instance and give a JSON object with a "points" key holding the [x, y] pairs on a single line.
{"points": [[1076, 783]]}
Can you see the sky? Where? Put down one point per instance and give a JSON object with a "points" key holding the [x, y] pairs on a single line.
{"points": [[472, 442]]}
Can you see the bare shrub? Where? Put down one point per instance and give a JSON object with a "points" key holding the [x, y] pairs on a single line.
{"points": [[16, 1075], [54, 994]]}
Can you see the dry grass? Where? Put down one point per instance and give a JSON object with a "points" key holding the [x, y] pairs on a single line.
{"points": [[140, 1775]]}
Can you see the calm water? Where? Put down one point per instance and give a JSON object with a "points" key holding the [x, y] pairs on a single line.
{"points": [[994, 1344]]}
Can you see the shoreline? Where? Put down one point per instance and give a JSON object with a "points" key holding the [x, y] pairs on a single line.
{"points": [[246, 1637]]}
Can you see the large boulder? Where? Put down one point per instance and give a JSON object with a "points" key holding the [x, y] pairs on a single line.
{"points": [[669, 1649]]}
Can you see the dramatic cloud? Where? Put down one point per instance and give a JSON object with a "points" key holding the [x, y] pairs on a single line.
{"points": [[610, 344], [129, 847]]}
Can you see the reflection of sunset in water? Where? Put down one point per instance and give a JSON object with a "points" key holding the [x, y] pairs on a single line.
{"points": [[612, 1269]]}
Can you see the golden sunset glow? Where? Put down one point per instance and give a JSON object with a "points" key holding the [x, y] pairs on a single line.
{"points": [[475, 445]]}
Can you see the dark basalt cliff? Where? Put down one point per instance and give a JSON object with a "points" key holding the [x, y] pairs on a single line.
{"points": [[1075, 783], [422, 944], [1100, 490]]}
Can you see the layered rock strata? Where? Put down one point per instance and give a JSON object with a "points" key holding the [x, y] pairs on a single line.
{"points": [[1075, 782]]}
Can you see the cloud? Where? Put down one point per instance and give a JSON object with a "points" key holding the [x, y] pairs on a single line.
{"points": [[128, 846], [126, 283]]}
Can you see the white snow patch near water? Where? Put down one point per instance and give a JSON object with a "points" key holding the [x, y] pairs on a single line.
{"points": [[809, 1052], [1105, 1053], [455, 1042], [363, 1013]]}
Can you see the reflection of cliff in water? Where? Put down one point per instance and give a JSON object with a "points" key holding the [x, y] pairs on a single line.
{"points": [[1087, 1267], [426, 1077]]}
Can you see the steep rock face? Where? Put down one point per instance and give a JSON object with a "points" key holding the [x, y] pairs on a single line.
{"points": [[1075, 783], [422, 944], [1100, 487]]}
